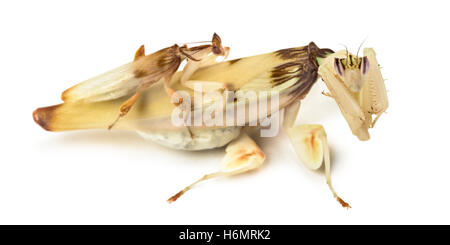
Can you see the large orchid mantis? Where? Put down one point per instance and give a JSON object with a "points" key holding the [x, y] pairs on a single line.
{"points": [[355, 83]]}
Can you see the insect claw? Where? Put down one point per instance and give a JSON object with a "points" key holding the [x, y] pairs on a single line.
{"points": [[114, 123], [205, 177], [375, 120], [327, 94], [175, 197], [343, 203]]}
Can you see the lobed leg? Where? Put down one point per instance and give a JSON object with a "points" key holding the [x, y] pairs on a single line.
{"points": [[242, 155], [310, 144]]}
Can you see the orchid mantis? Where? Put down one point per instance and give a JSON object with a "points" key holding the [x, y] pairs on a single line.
{"points": [[355, 83]]}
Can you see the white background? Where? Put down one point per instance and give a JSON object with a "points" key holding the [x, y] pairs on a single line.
{"points": [[400, 176]]}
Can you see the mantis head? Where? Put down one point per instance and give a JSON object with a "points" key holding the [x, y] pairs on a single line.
{"points": [[196, 53], [352, 70], [217, 47], [357, 86]]}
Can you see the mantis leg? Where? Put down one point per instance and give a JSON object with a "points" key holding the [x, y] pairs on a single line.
{"points": [[349, 107], [192, 66], [373, 96], [126, 106], [310, 144], [327, 94], [242, 155], [357, 107], [170, 91]]}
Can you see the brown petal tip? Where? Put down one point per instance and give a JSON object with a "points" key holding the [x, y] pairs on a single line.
{"points": [[43, 116]]}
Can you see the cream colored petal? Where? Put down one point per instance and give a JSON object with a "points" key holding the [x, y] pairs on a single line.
{"points": [[107, 86], [307, 144]]}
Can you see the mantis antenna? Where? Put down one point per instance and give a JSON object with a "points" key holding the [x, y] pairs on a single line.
{"points": [[187, 55], [360, 46], [181, 44], [346, 50]]}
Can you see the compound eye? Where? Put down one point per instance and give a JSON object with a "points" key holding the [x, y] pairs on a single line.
{"points": [[365, 65], [216, 50], [338, 67]]}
